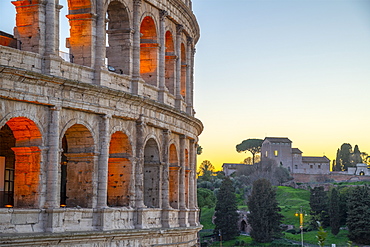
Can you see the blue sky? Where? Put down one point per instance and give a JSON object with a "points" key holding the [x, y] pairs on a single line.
{"points": [[287, 68]]}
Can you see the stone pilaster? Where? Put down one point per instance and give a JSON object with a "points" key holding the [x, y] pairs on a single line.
{"points": [[50, 28], [53, 164], [165, 175], [162, 55], [136, 83], [179, 29], [182, 205], [100, 44], [189, 91], [139, 176], [103, 162], [193, 216]]}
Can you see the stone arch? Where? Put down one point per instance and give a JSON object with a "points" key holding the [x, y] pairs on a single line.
{"points": [[170, 62], [81, 21], [152, 174], [119, 170], [174, 176], [31, 118], [119, 36], [183, 70], [149, 51], [20, 158], [77, 167]]}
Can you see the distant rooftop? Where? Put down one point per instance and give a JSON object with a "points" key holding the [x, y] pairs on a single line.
{"points": [[312, 159], [296, 151], [232, 164], [278, 139]]}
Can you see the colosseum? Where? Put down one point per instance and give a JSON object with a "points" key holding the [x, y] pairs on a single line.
{"points": [[98, 145]]}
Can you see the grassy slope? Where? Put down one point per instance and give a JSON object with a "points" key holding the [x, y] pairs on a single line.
{"points": [[290, 201]]}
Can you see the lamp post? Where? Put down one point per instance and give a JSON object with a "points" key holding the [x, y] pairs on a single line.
{"points": [[301, 215]]}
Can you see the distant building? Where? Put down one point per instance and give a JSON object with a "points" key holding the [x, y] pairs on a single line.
{"points": [[230, 168], [360, 170], [279, 149]]}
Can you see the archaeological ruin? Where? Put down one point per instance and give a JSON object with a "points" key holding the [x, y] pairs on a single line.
{"points": [[98, 145]]}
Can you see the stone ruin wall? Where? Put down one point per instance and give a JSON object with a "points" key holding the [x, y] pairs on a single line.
{"points": [[98, 155]]}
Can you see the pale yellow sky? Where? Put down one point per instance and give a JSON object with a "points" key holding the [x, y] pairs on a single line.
{"points": [[296, 69]]}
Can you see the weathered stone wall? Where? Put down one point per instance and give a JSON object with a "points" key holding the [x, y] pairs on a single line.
{"points": [[93, 149], [312, 178]]}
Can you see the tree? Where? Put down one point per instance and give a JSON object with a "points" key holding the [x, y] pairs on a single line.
{"points": [[358, 215], [206, 198], [321, 235], [251, 145], [319, 207], [264, 216], [206, 170], [337, 166], [226, 216], [356, 157], [334, 212], [344, 156], [199, 150]]}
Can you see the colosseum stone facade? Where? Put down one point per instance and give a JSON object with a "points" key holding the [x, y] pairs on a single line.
{"points": [[98, 148]]}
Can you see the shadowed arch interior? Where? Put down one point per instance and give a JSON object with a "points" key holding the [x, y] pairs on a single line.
{"points": [[78, 159], [118, 51], [119, 170], [152, 174], [170, 61]]}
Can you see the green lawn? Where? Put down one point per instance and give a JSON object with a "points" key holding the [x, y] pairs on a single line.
{"points": [[310, 237]]}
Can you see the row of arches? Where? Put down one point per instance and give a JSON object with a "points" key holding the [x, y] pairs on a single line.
{"points": [[130, 36], [23, 168]]}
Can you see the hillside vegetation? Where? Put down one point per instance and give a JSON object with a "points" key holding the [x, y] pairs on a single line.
{"points": [[290, 201]]}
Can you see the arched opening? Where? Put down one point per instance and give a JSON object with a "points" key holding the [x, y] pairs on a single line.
{"points": [[81, 21], [243, 226], [152, 171], [20, 157], [119, 170], [183, 70], [148, 51], [77, 167], [170, 62], [118, 33], [174, 177]]}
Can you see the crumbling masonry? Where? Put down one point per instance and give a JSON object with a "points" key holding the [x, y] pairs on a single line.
{"points": [[99, 149]]}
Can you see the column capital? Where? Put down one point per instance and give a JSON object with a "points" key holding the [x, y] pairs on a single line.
{"points": [[107, 116], [179, 28], [56, 108], [163, 14], [137, 2], [189, 40]]}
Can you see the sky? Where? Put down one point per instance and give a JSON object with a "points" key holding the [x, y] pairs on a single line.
{"points": [[282, 68], [277, 68]]}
